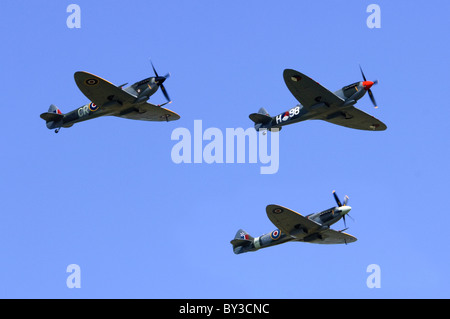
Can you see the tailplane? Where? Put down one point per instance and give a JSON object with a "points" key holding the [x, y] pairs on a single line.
{"points": [[261, 118], [53, 117], [241, 240]]}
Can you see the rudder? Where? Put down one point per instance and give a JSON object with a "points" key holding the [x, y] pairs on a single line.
{"points": [[54, 109]]}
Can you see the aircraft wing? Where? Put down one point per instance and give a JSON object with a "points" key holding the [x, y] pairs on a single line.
{"points": [[355, 118], [99, 90], [307, 91], [290, 222], [149, 112], [331, 236]]}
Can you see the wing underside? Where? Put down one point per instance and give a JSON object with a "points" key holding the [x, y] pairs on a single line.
{"points": [[290, 222], [149, 112], [330, 237], [355, 118], [102, 92], [307, 91], [99, 90], [304, 229]]}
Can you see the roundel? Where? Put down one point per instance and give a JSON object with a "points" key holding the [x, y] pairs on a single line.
{"points": [[277, 211], [275, 234], [91, 81], [93, 107], [285, 116]]}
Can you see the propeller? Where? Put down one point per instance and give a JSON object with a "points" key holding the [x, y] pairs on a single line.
{"points": [[367, 85], [338, 202], [159, 80]]}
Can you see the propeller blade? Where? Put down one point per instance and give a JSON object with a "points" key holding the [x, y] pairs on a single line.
{"points": [[346, 200], [372, 98], [159, 81], [350, 217], [336, 198], [362, 73], [154, 70], [345, 224], [161, 105], [163, 89]]}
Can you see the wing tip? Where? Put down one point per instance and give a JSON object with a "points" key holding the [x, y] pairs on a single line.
{"points": [[173, 116], [290, 72], [82, 73], [380, 127]]}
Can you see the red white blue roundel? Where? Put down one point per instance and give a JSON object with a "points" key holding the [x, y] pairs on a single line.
{"points": [[275, 234], [93, 107], [285, 116]]}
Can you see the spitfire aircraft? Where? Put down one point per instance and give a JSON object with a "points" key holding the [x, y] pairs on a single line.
{"points": [[318, 103], [313, 228], [108, 99]]}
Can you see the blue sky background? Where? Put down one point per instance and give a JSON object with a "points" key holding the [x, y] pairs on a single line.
{"points": [[106, 195]]}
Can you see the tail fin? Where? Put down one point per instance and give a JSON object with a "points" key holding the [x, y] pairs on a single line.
{"points": [[263, 111], [53, 117], [241, 239], [261, 118], [54, 109]]}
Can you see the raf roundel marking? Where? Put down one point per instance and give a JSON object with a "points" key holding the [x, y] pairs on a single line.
{"points": [[275, 234], [277, 211], [91, 82], [93, 107]]}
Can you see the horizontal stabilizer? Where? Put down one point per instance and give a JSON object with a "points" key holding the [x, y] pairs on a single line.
{"points": [[260, 118], [51, 117], [240, 242]]}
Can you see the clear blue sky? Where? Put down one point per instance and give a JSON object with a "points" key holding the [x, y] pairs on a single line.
{"points": [[106, 195]]}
